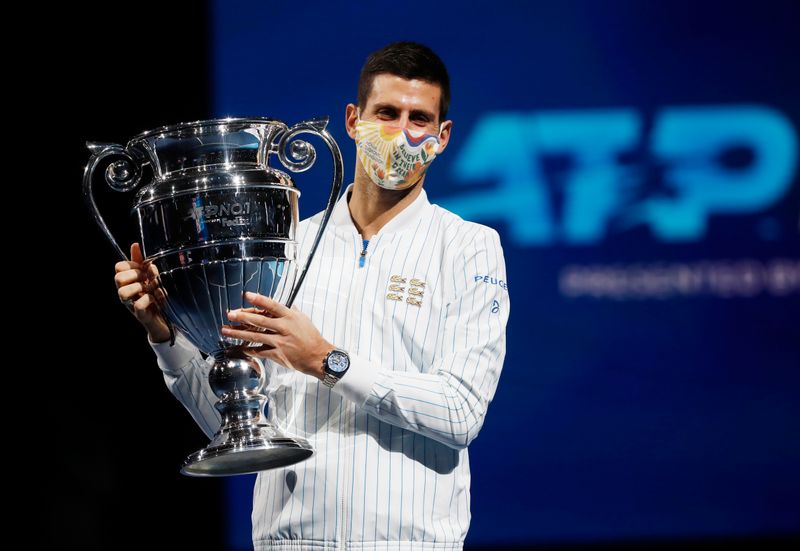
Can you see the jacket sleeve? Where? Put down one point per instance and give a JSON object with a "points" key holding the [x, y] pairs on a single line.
{"points": [[447, 400], [186, 375]]}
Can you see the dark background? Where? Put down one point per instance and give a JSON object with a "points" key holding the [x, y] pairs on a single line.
{"points": [[643, 424], [114, 437]]}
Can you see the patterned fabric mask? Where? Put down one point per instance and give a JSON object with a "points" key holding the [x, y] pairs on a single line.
{"points": [[394, 157]]}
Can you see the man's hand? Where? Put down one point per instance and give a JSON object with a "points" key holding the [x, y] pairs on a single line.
{"points": [[136, 286], [287, 335]]}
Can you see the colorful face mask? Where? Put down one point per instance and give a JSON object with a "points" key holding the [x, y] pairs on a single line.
{"points": [[394, 157]]}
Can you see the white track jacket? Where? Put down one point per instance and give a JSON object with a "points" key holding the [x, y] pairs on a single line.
{"points": [[423, 317]]}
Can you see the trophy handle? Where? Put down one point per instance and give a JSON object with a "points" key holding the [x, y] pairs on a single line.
{"points": [[122, 175], [306, 155]]}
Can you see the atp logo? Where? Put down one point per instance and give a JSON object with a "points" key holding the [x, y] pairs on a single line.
{"points": [[576, 177]]}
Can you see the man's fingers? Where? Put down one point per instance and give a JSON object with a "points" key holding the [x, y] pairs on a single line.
{"points": [[158, 292], [252, 336], [257, 320], [131, 291], [141, 305], [243, 326], [128, 276], [262, 351], [136, 253], [124, 265], [254, 310], [152, 270], [272, 306], [247, 327]]}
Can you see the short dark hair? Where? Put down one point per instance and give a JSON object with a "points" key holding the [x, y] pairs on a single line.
{"points": [[409, 60]]}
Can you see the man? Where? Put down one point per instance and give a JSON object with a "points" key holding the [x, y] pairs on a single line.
{"points": [[389, 360]]}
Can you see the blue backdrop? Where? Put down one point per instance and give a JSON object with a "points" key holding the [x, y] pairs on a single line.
{"points": [[640, 161]]}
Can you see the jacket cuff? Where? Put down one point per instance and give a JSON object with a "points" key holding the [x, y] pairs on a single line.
{"points": [[173, 358], [356, 385]]}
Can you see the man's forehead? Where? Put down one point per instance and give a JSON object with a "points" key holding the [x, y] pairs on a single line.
{"points": [[405, 93]]}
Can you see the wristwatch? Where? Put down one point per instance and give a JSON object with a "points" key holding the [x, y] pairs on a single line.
{"points": [[336, 364]]}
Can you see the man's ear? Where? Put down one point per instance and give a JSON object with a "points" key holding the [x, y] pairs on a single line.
{"points": [[444, 135], [350, 119]]}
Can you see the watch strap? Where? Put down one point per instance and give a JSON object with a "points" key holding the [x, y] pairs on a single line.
{"points": [[330, 380]]}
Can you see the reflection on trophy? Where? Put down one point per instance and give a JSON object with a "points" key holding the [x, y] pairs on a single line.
{"points": [[216, 221]]}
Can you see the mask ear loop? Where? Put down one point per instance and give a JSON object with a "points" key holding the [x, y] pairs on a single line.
{"points": [[439, 137]]}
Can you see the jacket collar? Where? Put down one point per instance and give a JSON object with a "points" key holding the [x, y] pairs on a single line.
{"points": [[342, 222]]}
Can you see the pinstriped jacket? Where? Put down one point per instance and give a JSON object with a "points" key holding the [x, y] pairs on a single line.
{"points": [[423, 317]]}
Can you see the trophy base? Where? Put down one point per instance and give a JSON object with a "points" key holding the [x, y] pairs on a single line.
{"points": [[260, 448]]}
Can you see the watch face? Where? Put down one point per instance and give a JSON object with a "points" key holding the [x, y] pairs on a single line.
{"points": [[338, 362]]}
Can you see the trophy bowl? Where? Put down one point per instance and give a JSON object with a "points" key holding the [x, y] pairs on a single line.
{"points": [[216, 221]]}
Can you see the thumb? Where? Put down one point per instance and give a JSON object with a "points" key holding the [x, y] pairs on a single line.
{"points": [[136, 253]]}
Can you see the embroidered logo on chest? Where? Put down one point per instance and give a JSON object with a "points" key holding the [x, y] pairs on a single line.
{"points": [[410, 290]]}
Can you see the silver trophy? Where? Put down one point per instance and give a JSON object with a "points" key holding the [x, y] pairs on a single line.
{"points": [[216, 221]]}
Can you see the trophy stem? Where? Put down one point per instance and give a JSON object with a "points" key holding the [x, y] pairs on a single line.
{"points": [[246, 441]]}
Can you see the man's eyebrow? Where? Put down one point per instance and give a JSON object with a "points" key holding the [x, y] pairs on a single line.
{"points": [[423, 112], [377, 106], [428, 114]]}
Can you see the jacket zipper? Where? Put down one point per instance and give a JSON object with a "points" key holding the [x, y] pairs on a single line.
{"points": [[357, 283], [363, 258]]}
